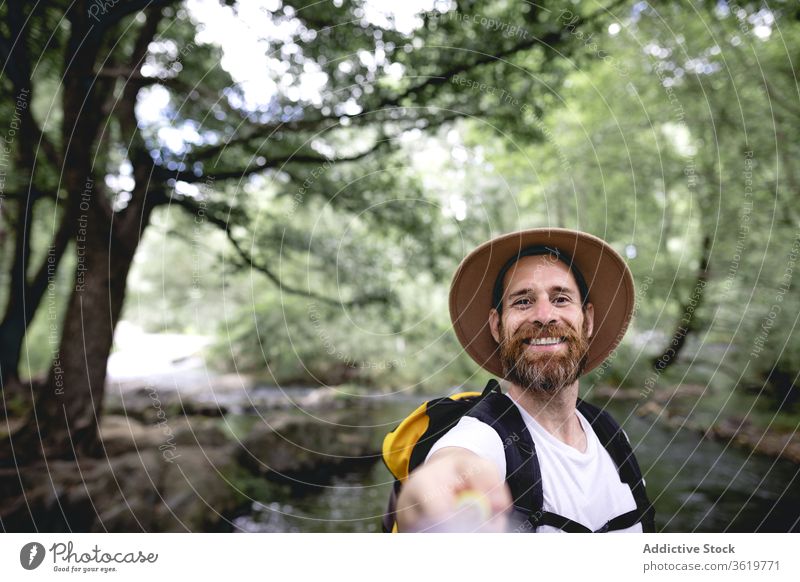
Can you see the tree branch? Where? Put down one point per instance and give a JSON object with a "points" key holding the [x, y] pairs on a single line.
{"points": [[101, 19], [248, 261], [143, 165], [549, 39], [263, 131], [268, 163]]}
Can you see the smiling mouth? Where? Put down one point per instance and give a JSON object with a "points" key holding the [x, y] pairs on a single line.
{"points": [[543, 341]]}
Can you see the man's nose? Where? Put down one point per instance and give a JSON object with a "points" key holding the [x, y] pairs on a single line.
{"points": [[542, 312]]}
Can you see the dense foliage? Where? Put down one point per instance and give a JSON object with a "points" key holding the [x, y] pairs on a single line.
{"points": [[310, 216]]}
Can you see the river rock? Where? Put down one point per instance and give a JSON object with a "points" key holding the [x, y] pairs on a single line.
{"points": [[203, 394], [169, 477], [306, 452], [140, 491], [120, 435]]}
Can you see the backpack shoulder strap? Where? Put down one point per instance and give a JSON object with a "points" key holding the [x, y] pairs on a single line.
{"points": [[522, 466], [615, 441]]}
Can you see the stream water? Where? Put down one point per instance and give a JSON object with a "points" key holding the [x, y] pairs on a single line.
{"points": [[696, 485]]}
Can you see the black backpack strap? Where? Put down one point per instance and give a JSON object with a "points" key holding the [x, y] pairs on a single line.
{"points": [[623, 521], [523, 475], [616, 443], [560, 522], [390, 516]]}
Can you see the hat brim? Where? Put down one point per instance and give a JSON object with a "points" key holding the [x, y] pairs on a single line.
{"points": [[608, 278]]}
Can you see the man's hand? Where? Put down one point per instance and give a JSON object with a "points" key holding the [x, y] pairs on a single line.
{"points": [[433, 498]]}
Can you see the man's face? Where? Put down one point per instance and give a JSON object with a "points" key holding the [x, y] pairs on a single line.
{"points": [[543, 332]]}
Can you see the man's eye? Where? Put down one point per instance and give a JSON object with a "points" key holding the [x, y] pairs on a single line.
{"points": [[561, 299], [522, 302]]}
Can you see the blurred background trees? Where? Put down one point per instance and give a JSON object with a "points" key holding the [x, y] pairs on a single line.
{"points": [[303, 195]]}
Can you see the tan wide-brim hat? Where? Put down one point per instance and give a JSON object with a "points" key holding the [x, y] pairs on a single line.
{"points": [[608, 278]]}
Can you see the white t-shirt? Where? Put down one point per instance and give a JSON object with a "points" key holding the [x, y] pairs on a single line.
{"points": [[585, 487]]}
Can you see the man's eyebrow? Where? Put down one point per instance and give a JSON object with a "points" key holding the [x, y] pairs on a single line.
{"points": [[521, 292], [560, 289]]}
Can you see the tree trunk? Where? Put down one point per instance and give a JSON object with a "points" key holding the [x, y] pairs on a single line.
{"points": [[69, 406], [688, 322], [23, 302], [12, 334]]}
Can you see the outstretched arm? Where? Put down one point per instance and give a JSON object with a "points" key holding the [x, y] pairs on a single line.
{"points": [[455, 490]]}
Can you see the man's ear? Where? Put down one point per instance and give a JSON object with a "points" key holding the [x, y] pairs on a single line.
{"points": [[494, 324], [588, 316]]}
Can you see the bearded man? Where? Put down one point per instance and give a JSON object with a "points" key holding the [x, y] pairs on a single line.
{"points": [[540, 308]]}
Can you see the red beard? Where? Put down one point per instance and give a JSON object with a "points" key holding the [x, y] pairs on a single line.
{"points": [[544, 372]]}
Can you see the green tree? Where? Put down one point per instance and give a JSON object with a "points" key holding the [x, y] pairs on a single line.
{"points": [[675, 137], [105, 168]]}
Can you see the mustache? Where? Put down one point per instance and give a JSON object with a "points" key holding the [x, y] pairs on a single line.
{"points": [[529, 331]]}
